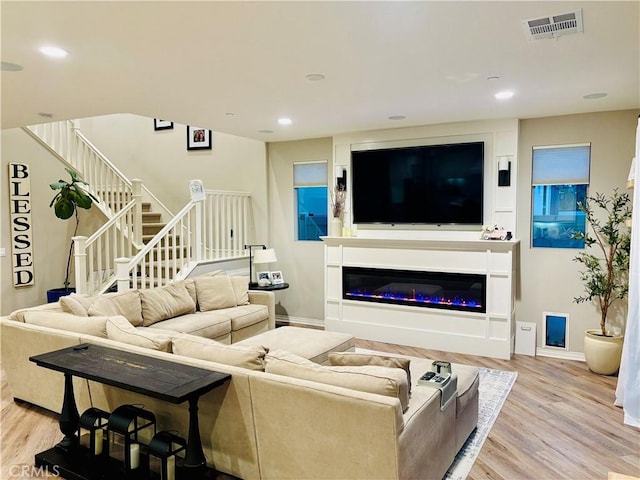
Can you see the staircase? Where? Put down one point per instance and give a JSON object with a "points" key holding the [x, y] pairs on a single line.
{"points": [[135, 248]]}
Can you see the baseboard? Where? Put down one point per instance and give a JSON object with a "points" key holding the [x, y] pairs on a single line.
{"points": [[302, 321], [562, 354]]}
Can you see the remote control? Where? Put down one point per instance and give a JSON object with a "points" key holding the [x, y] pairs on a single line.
{"points": [[427, 376]]}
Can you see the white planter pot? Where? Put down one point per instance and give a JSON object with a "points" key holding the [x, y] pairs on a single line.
{"points": [[335, 227], [602, 353]]}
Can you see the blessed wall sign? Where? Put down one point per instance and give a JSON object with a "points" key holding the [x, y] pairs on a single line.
{"points": [[20, 206]]}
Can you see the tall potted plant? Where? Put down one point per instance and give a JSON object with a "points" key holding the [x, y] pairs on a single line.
{"points": [[69, 197], [605, 274]]}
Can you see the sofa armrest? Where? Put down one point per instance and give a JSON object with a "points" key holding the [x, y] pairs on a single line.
{"points": [[260, 297]]}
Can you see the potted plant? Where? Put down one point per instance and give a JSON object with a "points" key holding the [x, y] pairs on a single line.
{"points": [[338, 199], [69, 197], [605, 274]]}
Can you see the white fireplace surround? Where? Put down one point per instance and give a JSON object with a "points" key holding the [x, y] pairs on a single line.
{"points": [[488, 334]]}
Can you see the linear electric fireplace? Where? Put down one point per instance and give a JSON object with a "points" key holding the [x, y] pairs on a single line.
{"points": [[452, 291]]}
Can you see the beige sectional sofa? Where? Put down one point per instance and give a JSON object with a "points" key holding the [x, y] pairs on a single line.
{"points": [[294, 408], [215, 306]]}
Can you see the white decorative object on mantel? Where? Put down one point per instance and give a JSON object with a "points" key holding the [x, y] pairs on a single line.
{"points": [[335, 227]]}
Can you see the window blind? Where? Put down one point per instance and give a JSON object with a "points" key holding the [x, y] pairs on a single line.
{"points": [[309, 174], [562, 165]]}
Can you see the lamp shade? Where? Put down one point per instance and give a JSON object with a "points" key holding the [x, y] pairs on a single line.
{"points": [[632, 174], [265, 256]]}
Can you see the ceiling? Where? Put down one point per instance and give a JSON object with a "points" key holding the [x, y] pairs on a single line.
{"points": [[237, 67]]}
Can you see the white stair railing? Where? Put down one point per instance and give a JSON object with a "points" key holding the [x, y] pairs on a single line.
{"points": [[95, 255], [105, 180], [215, 228]]}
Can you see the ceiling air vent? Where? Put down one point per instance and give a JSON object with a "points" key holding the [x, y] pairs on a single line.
{"points": [[554, 26]]}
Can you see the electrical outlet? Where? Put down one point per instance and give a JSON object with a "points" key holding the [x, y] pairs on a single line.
{"points": [[3, 252]]}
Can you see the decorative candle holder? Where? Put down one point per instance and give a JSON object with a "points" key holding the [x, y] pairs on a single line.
{"points": [[129, 426], [163, 450], [92, 430]]}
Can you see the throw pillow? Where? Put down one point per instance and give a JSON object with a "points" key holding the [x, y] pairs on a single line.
{"points": [[75, 303], [358, 359], [215, 293], [165, 302], [120, 330], [203, 348], [190, 285], [96, 326], [391, 382], [240, 288], [125, 303]]}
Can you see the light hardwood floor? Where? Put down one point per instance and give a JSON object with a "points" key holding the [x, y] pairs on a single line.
{"points": [[559, 422]]}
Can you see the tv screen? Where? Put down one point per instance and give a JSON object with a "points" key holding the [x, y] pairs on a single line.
{"points": [[431, 184]]}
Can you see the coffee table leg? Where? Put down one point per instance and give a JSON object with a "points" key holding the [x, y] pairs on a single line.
{"points": [[194, 459], [69, 417]]}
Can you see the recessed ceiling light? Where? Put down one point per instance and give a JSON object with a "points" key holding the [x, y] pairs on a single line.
{"points": [[504, 95], [230, 114], [11, 67], [315, 77], [45, 114], [55, 52], [265, 131], [396, 117], [493, 77], [595, 96], [284, 121]]}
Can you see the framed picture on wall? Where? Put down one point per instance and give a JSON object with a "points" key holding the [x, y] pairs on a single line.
{"points": [[162, 124], [198, 138]]}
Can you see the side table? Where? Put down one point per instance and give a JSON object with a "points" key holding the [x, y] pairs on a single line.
{"points": [[270, 288]]}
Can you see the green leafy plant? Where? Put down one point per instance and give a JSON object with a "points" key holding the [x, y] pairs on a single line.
{"points": [[70, 196], [605, 276]]}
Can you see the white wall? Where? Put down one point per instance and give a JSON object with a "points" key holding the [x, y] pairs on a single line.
{"points": [[301, 262], [50, 235], [549, 277]]}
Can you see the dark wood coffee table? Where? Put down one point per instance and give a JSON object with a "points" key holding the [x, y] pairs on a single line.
{"points": [[168, 381]]}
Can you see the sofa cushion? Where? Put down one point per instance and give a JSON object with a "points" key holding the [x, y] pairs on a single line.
{"points": [[391, 382], [76, 304], [202, 324], [240, 288], [18, 315], [357, 359], [126, 304], [215, 292], [96, 326], [245, 315], [120, 330], [314, 345], [468, 382], [251, 358], [165, 302]]}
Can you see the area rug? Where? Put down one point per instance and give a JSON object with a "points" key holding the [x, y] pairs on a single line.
{"points": [[494, 389]]}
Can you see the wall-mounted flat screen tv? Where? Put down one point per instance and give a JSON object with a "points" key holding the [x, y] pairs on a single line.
{"points": [[429, 184]]}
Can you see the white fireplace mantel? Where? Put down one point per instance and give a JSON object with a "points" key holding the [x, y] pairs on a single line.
{"points": [[488, 334]]}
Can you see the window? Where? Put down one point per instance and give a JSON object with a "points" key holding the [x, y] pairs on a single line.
{"points": [[310, 194], [559, 181]]}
